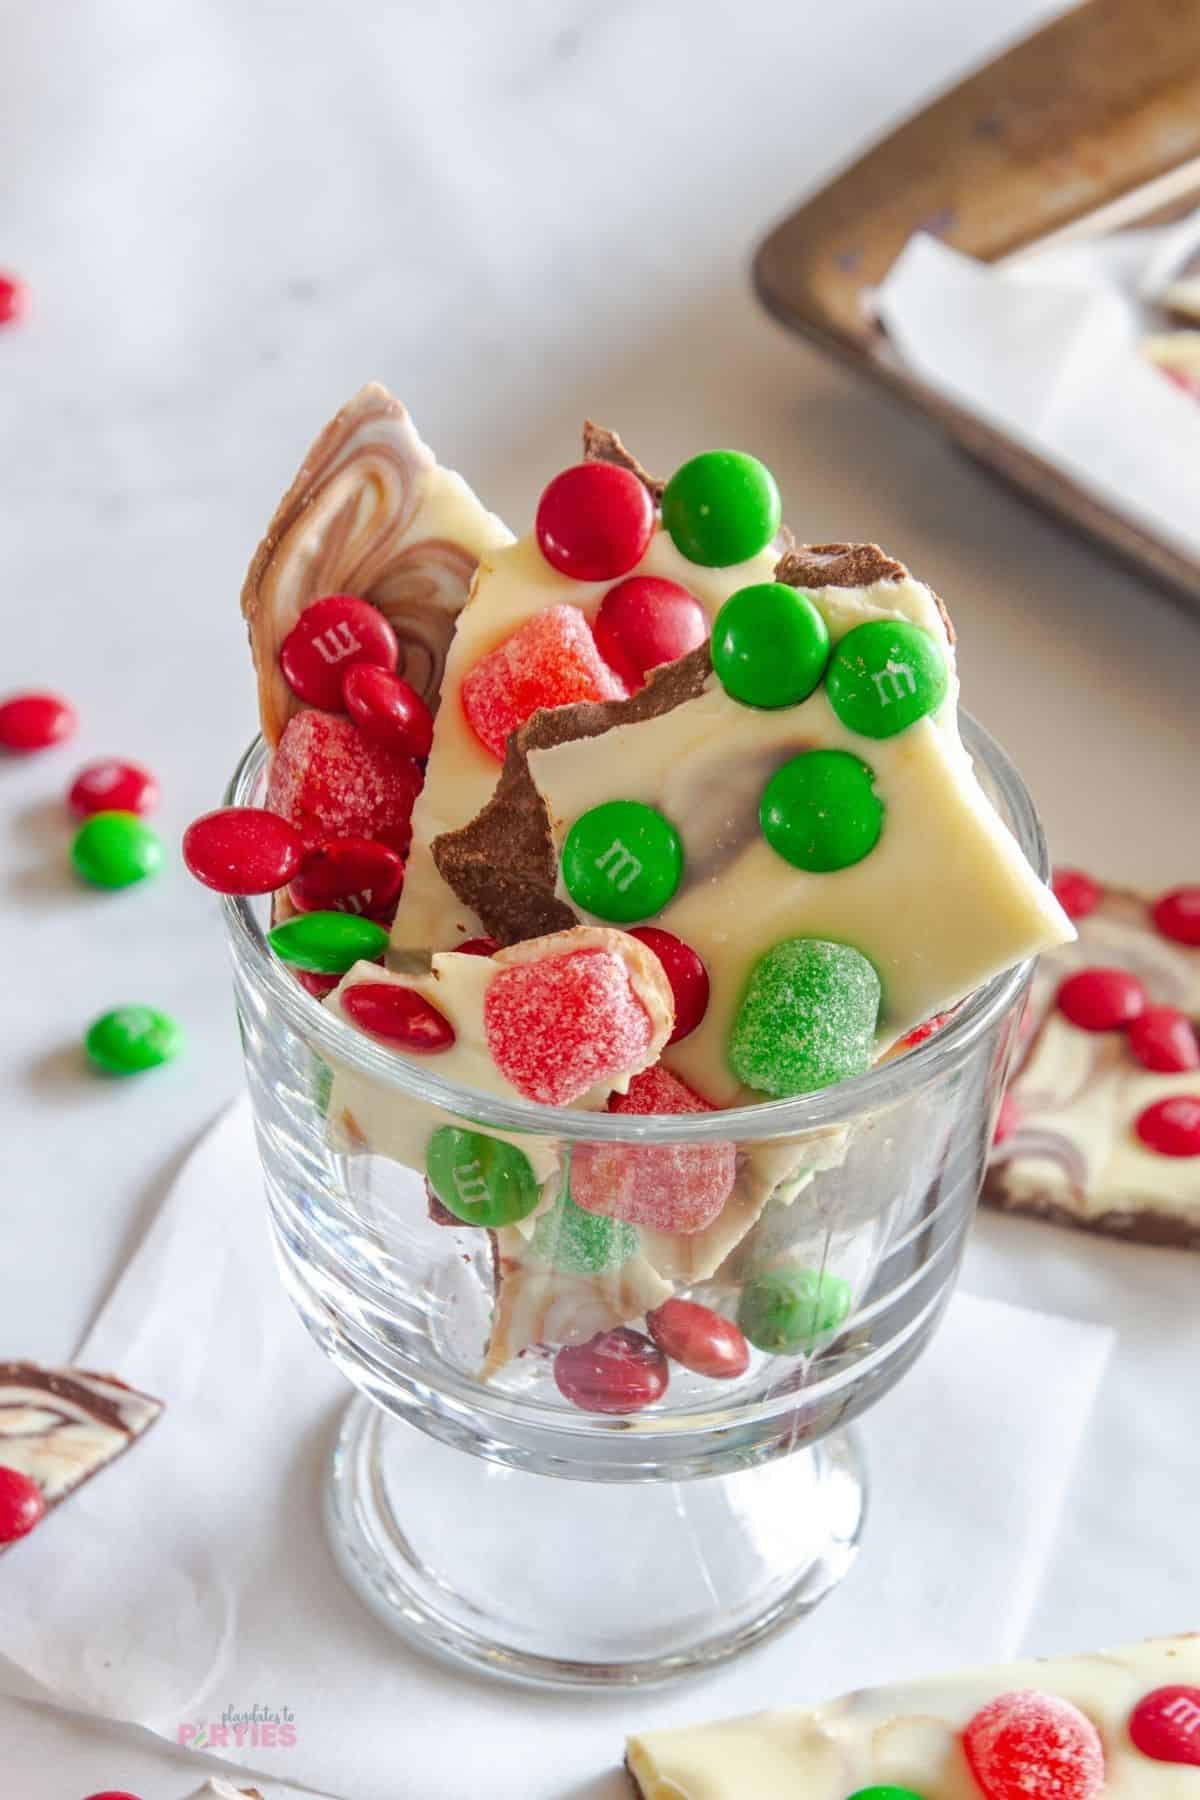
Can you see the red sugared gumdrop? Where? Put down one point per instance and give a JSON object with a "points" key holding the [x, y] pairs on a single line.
{"points": [[594, 522], [1101, 999], [21, 1505], [1076, 893], [551, 661], [1164, 1039], [1171, 1127], [330, 783], [350, 875], [644, 622], [1165, 1726], [556, 1027], [1177, 915], [617, 1371], [330, 637], [1031, 1746], [685, 971], [700, 1339], [662, 1187]]}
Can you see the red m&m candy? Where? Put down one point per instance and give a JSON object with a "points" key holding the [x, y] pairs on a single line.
{"points": [[1028, 1744], [478, 946], [1076, 893], [14, 299], [617, 1371], [1177, 915], [35, 722], [349, 875], [594, 522], [551, 661], [328, 639], [399, 1015], [316, 984], [388, 711], [21, 1505], [1165, 1726], [700, 1339], [1164, 1039], [329, 782], [114, 1794], [1101, 999], [1172, 1127], [112, 786], [686, 973], [243, 850], [644, 622]]}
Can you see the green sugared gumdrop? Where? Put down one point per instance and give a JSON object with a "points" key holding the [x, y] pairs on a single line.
{"points": [[884, 676], [480, 1179], [583, 1243], [721, 508], [787, 1310], [807, 1018]]}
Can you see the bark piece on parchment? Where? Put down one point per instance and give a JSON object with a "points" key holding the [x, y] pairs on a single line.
{"points": [[371, 512]]}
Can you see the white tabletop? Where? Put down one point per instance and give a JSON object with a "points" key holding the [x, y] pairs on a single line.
{"points": [[232, 215]]}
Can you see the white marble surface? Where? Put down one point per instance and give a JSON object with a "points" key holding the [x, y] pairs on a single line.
{"points": [[232, 214]]}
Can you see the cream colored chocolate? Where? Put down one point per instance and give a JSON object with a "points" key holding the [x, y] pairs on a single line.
{"points": [[1182, 297], [944, 900], [513, 585], [60, 1427], [373, 1116], [538, 1304], [1073, 1152], [224, 1790], [372, 513], [1176, 350], [910, 1735]]}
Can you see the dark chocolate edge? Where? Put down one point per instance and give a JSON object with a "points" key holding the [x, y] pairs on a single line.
{"points": [[602, 445], [1151, 1226], [62, 1383], [848, 566]]}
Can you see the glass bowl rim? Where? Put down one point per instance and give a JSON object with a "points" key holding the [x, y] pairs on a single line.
{"points": [[762, 1121]]}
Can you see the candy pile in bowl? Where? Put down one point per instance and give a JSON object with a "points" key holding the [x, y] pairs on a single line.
{"points": [[650, 812]]}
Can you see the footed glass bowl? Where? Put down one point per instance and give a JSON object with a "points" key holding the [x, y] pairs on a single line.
{"points": [[470, 1501]]}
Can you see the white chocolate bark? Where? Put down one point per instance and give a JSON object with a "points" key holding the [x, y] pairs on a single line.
{"points": [[909, 1735], [61, 1426], [513, 585], [538, 1304], [1077, 1094], [372, 513], [943, 901]]}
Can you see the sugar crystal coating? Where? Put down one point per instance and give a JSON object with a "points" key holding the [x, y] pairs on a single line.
{"points": [[1027, 1743], [551, 661], [807, 1019], [556, 1027], [678, 1188], [579, 1243], [331, 783]]}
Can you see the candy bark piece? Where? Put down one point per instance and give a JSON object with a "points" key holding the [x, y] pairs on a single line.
{"points": [[1072, 1154], [911, 1735], [539, 1304], [60, 1427], [943, 900], [371, 513], [514, 585]]}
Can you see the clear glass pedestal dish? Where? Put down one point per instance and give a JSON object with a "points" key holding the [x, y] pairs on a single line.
{"points": [[485, 1517]]}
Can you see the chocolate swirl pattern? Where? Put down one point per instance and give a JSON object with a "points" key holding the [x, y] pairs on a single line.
{"points": [[60, 1427], [371, 513]]}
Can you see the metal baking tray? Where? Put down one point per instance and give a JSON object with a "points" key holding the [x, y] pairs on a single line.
{"points": [[1091, 125]]}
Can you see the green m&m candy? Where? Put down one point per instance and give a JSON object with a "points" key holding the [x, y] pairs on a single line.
{"points": [[583, 1243], [131, 1039], [790, 1310], [115, 849], [884, 676], [820, 811], [886, 1793], [480, 1179], [807, 1018], [721, 508], [769, 645], [622, 861], [328, 943]]}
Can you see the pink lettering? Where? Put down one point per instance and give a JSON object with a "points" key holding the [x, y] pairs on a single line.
{"points": [[185, 1734], [287, 1736], [218, 1736], [270, 1737]]}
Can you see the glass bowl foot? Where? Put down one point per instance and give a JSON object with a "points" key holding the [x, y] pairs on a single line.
{"points": [[561, 1583]]}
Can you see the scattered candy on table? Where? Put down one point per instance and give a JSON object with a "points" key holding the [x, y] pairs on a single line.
{"points": [[699, 1339], [1076, 893], [551, 661], [594, 522], [21, 1505], [328, 943], [112, 785], [480, 1180], [788, 1311], [243, 850], [619, 1371], [1164, 1039], [130, 1039], [115, 850], [14, 299], [35, 721]]}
